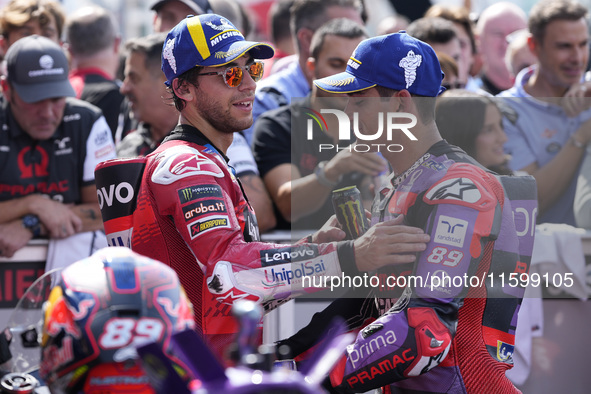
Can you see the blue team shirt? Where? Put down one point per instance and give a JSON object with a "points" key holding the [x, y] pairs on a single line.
{"points": [[538, 133]]}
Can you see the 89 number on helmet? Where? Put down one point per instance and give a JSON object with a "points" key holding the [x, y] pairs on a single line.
{"points": [[120, 332]]}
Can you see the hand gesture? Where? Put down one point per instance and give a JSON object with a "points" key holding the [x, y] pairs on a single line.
{"points": [[577, 99], [389, 243]]}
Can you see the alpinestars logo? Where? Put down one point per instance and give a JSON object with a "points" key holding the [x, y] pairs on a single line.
{"points": [[189, 164], [461, 189]]}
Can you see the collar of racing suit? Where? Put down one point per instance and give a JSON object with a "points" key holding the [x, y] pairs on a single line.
{"points": [[185, 132]]}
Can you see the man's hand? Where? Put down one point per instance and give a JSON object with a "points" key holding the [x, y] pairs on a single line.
{"points": [[13, 236], [58, 219], [332, 231], [329, 232], [389, 243], [577, 99]]}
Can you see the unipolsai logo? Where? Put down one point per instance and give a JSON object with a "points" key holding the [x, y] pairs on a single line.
{"points": [[388, 122]]}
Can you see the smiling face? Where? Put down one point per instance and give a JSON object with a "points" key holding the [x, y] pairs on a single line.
{"points": [[563, 53], [489, 142], [227, 109]]}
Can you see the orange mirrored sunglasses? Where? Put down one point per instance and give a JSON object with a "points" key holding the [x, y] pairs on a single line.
{"points": [[233, 76]]}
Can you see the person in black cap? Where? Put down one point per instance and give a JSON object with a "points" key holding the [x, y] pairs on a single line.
{"points": [[439, 330], [49, 146], [191, 211], [171, 12]]}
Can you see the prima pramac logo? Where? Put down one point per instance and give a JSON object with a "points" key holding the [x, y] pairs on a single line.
{"points": [[387, 121]]}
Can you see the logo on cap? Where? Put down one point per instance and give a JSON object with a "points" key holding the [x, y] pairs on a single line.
{"points": [[224, 25], [46, 62], [410, 63], [168, 54]]}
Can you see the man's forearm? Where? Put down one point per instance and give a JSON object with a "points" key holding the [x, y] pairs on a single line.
{"points": [[91, 216], [554, 178], [16, 208]]}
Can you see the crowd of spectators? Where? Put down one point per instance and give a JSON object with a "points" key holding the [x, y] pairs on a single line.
{"points": [[479, 53]]}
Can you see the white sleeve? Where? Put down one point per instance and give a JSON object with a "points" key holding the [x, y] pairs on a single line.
{"points": [[582, 203], [241, 157], [99, 147]]}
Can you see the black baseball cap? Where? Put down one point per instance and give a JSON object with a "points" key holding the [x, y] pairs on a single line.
{"points": [[37, 68]]}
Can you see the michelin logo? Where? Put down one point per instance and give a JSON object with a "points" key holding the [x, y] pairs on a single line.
{"points": [[451, 231]]}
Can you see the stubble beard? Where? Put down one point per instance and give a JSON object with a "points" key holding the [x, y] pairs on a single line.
{"points": [[222, 119]]}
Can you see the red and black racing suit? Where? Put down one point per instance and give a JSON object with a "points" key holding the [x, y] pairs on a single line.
{"points": [[192, 214]]}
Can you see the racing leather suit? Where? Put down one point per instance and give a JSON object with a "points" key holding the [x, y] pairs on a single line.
{"points": [[442, 337], [192, 214]]}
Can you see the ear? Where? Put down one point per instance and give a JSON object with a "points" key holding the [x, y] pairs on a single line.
{"points": [[117, 44], [311, 65], [182, 90], [3, 45], [405, 99], [5, 86], [304, 36], [533, 45]]}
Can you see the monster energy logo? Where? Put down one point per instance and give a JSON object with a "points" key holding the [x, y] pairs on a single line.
{"points": [[192, 193], [352, 218]]}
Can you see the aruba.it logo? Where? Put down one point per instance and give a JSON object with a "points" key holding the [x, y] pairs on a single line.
{"points": [[389, 119]]}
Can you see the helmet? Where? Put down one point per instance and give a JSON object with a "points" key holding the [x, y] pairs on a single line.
{"points": [[102, 308]]}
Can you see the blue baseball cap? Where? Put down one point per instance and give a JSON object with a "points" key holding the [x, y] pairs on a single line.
{"points": [[396, 61], [208, 40]]}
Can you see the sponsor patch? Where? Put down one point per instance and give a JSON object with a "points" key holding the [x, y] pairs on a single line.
{"points": [[192, 193], [364, 349], [221, 37], [371, 329], [432, 164], [288, 255], [203, 207], [103, 151], [292, 273], [179, 162], [210, 223], [187, 164], [461, 189], [101, 137], [450, 231], [505, 351]]}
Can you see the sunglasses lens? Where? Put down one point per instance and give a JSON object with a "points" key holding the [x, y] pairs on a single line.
{"points": [[256, 71], [233, 76]]}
